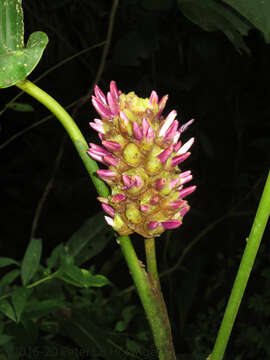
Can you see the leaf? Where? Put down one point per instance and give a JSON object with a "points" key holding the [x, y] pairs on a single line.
{"points": [[134, 46], [17, 61], [257, 12], [20, 107], [54, 260], [128, 314], [4, 339], [213, 16], [82, 277], [82, 330], [19, 298], [9, 278], [39, 308], [31, 260], [5, 261], [89, 240], [7, 309], [12, 29]]}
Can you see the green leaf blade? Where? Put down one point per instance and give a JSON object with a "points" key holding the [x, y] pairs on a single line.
{"points": [[21, 107], [15, 66], [11, 26], [7, 310], [31, 260], [89, 240], [213, 16], [257, 12], [5, 261], [19, 298], [17, 61]]}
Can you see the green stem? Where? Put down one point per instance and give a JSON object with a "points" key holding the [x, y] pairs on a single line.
{"points": [[151, 261], [72, 129], [151, 301], [248, 258]]}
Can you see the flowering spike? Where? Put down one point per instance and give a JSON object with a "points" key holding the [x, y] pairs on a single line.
{"points": [[167, 123], [153, 225], [95, 156], [109, 220], [118, 198], [176, 204], [162, 104], [126, 179], [164, 156], [124, 117], [113, 89], [137, 133], [186, 191], [173, 183], [145, 126], [176, 137], [171, 132], [150, 134], [186, 178], [110, 160], [112, 146], [154, 200], [112, 104], [153, 98], [103, 200], [144, 208], [108, 209], [97, 127], [138, 181], [142, 150], [99, 95], [180, 158], [184, 210], [106, 174], [171, 224], [101, 109], [160, 183], [100, 136], [185, 147], [177, 146], [99, 149], [186, 125]]}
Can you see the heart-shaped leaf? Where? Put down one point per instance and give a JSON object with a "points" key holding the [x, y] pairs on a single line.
{"points": [[17, 61]]}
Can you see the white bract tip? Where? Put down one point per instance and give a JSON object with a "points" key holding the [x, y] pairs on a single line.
{"points": [[168, 122], [183, 149]]}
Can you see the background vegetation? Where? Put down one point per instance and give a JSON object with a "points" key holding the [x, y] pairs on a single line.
{"points": [[213, 61]]}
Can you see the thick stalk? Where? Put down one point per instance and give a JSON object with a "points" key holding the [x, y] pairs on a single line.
{"points": [[248, 258], [70, 126], [151, 261], [151, 301]]}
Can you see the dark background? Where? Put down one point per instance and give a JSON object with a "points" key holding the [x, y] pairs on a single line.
{"points": [[225, 90]]}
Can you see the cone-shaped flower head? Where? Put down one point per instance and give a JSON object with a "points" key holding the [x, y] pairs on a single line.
{"points": [[142, 151]]}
